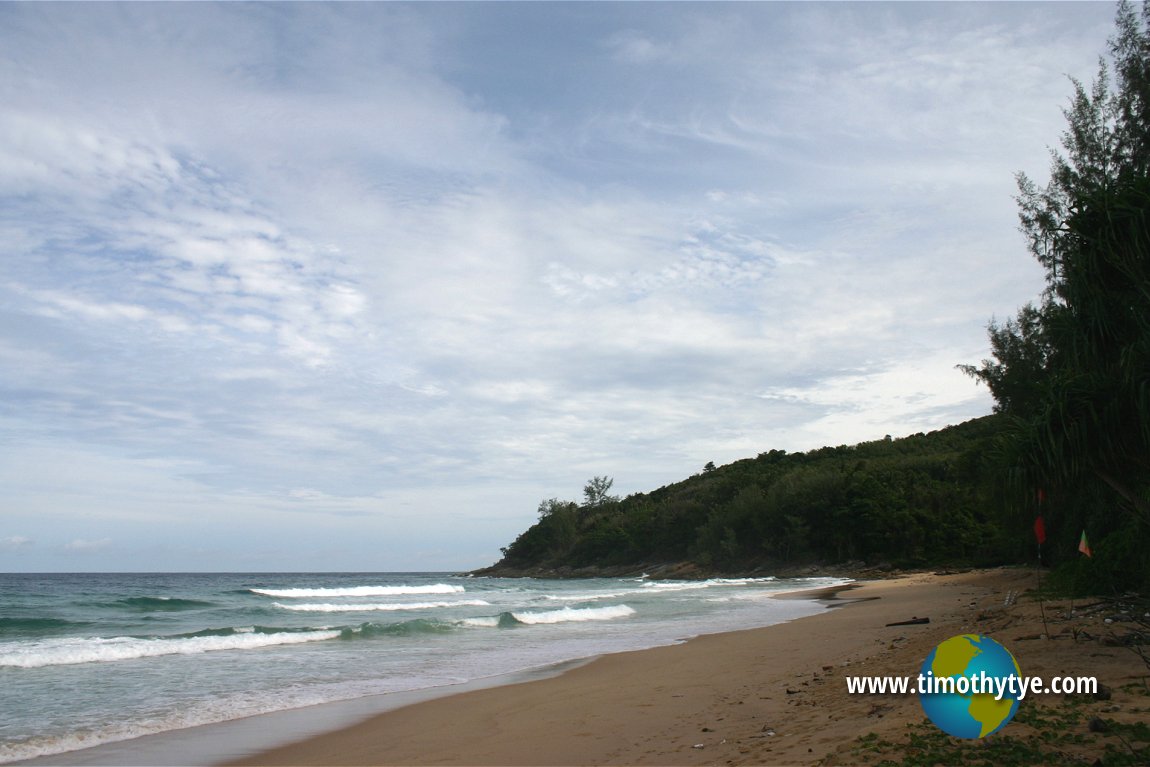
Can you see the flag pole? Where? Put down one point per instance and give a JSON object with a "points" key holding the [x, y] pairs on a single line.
{"points": [[1041, 595], [1040, 536]]}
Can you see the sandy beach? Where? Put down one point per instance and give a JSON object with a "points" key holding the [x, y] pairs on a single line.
{"points": [[767, 696]]}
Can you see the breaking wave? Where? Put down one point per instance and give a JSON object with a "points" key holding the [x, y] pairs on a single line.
{"points": [[360, 591], [710, 583], [403, 629], [73, 650], [587, 597], [569, 614], [352, 607], [565, 615]]}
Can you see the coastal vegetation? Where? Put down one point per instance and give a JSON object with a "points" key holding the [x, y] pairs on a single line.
{"points": [[1071, 373], [1069, 439], [908, 502]]}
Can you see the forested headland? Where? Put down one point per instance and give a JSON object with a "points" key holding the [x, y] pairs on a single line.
{"points": [[904, 503], [1068, 442]]}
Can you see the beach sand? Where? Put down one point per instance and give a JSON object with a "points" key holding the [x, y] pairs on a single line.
{"points": [[775, 695]]}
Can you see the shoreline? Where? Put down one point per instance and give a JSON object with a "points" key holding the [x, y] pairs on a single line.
{"points": [[229, 739], [774, 695], [771, 695], [224, 741]]}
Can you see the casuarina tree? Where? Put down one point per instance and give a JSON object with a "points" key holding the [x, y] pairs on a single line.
{"points": [[1072, 371]]}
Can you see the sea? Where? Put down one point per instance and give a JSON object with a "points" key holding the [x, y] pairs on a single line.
{"points": [[88, 660]]}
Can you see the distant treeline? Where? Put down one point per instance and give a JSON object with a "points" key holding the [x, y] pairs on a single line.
{"points": [[917, 501]]}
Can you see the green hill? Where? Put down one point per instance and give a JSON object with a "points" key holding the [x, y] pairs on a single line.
{"points": [[923, 500]]}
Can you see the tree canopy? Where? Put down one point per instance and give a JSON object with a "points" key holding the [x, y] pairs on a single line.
{"points": [[1072, 371], [916, 501]]}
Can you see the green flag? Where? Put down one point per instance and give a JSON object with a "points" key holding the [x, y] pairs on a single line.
{"points": [[1083, 546]]}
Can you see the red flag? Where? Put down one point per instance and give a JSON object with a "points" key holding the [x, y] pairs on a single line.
{"points": [[1083, 546], [1040, 530]]}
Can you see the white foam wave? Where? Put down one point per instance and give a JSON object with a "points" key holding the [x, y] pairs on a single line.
{"points": [[673, 585], [709, 583], [225, 708], [808, 584], [361, 591], [488, 622], [569, 614], [73, 650], [351, 607], [746, 596], [585, 597]]}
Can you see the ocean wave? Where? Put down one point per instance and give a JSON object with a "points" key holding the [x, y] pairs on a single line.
{"points": [[571, 614], [404, 628], [160, 604], [504, 620], [218, 709], [68, 651], [586, 597], [228, 631], [351, 607], [25, 626], [564, 615], [749, 595], [709, 583], [360, 591]]}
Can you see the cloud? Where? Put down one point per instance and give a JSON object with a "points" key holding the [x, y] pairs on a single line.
{"points": [[81, 545], [362, 268], [205, 260], [634, 47], [15, 543]]}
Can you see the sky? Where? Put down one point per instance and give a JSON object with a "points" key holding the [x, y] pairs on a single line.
{"points": [[353, 287]]}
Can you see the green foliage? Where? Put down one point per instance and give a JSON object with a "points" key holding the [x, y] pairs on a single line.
{"points": [[596, 492], [1072, 374], [912, 501], [552, 536]]}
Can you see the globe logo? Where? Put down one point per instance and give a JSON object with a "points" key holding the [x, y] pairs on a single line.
{"points": [[968, 686]]}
